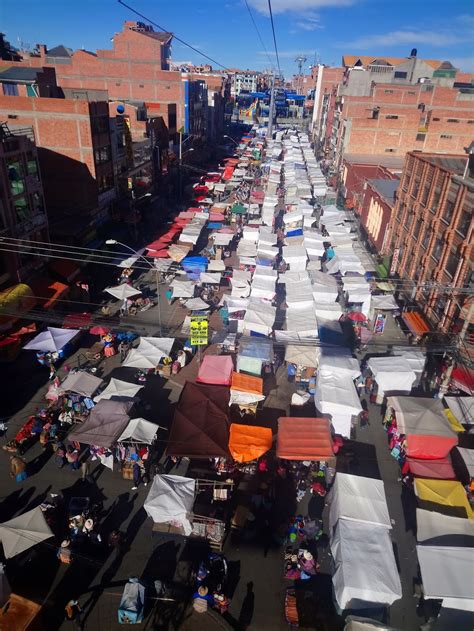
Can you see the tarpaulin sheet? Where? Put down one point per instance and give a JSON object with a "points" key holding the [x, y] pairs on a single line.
{"points": [[171, 500], [392, 374], [415, 322], [200, 427], [439, 469], [462, 408], [249, 442], [336, 394], [216, 369], [445, 496], [182, 288], [23, 532], [365, 567], [358, 499], [105, 424], [247, 383], [304, 439], [428, 432]]}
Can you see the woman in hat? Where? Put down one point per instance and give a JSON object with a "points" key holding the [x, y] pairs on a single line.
{"points": [[202, 599]]}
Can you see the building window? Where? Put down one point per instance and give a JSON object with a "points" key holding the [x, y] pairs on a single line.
{"points": [[453, 120], [104, 182], [392, 116], [21, 208], [426, 239], [10, 89], [102, 154], [470, 122], [37, 202], [400, 75], [464, 223], [425, 195], [390, 150], [416, 231], [448, 211], [436, 119], [388, 91], [437, 249], [420, 137], [447, 136], [411, 92], [141, 85], [15, 175], [452, 264], [31, 165]]}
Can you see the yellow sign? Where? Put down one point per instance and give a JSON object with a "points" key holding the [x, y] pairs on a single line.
{"points": [[199, 331]]}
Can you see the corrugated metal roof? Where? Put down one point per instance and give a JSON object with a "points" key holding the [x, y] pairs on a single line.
{"points": [[385, 187], [19, 74], [394, 162]]}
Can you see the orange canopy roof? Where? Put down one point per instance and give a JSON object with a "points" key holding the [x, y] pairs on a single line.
{"points": [[247, 383], [304, 439], [415, 322], [247, 442], [48, 291]]}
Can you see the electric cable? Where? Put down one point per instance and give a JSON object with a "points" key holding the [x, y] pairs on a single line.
{"points": [[258, 33], [274, 37], [178, 39]]}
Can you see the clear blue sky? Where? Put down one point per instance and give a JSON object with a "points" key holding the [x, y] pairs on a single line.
{"points": [[223, 28]]}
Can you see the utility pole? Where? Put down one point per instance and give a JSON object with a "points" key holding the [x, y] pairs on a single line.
{"points": [[272, 105], [461, 337], [180, 164]]}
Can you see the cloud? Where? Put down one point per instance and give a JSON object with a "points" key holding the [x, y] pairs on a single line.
{"points": [[310, 22], [413, 38], [297, 6], [287, 54]]}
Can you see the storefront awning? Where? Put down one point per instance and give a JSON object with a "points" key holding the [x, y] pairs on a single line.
{"points": [[415, 322]]}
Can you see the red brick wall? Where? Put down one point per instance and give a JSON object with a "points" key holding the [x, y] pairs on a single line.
{"points": [[64, 140], [371, 200], [367, 135]]}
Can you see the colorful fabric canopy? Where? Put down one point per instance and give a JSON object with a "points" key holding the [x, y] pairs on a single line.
{"points": [[248, 442], [200, 426], [448, 494], [216, 369], [304, 439]]}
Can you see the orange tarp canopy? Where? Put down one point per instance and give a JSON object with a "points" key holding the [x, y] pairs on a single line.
{"points": [[247, 442], [228, 171], [48, 291], [246, 383], [304, 439], [415, 322]]}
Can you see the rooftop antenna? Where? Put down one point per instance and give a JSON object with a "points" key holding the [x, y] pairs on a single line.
{"points": [[300, 60]]}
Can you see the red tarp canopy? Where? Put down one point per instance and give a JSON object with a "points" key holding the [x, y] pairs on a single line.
{"points": [[440, 469], [200, 426], [304, 439], [216, 369], [415, 322], [228, 171]]}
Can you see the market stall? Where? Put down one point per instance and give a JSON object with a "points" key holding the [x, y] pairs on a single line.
{"points": [[216, 369], [118, 389], [444, 496], [423, 422], [106, 422], [304, 439], [249, 442], [365, 571], [392, 374], [149, 352], [23, 532]]}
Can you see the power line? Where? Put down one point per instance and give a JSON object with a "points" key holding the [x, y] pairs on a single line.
{"points": [[181, 41], [274, 36], [258, 32]]}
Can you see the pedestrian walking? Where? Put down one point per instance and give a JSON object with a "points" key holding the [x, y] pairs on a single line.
{"points": [[136, 476], [72, 458], [18, 468], [85, 471]]}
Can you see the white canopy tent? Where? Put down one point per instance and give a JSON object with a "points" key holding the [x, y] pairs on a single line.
{"points": [[119, 389], [149, 352], [446, 544], [139, 431], [384, 302], [24, 532], [358, 499], [301, 355], [210, 278], [170, 500], [336, 394], [462, 408], [182, 288], [295, 256], [259, 317], [51, 340], [196, 304], [122, 292], [81, 382], [365, 568], [132, 259], [392, 374], [340, 364]]}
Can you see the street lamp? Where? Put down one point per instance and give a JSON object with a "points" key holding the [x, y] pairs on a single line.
{"points": [[230, 138], [115, 242]]}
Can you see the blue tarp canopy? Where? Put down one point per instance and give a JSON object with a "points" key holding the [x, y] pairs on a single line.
{"points": [[214, 225], [194, 265]]}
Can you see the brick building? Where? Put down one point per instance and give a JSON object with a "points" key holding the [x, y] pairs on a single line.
{"points": [[326, 82], [75, 153], [22, 206], [431, 233], [377, 207], [358, 168], [134, 72]]}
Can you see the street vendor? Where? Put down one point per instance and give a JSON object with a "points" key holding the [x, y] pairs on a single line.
{"points": [[18, 468]]}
